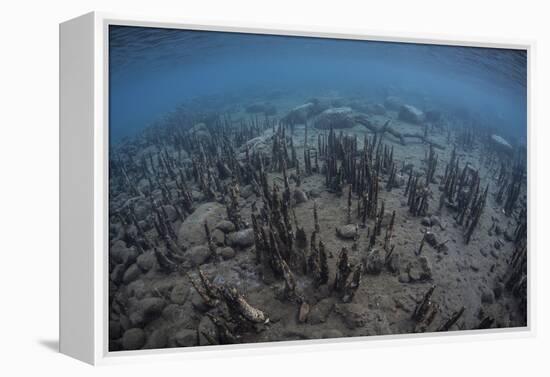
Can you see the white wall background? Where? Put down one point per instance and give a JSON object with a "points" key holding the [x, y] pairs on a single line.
{"points": [[29, 183]]}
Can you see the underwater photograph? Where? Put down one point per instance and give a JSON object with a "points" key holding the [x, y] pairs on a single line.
{"points": [[267, 188]]}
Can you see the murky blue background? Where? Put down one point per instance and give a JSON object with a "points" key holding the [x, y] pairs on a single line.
{"points": [[154, 70]]}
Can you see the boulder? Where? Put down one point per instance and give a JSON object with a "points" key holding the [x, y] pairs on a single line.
{"points": [[226, 252], [487, 297], [179, 293], [170, 212], [157, 339], [133, 339], [433, 116], [421, 270], [300, 114], [501, 145], [376, 109], [200, 131], [411, 114], [191, 231], [374, 262], [242, 238], [393, 103], [299, 196], [146, 261], [198, 255], [320, 311], [117, 273], [184, 338], [218, 237], [337, 117], [132, 273], [206, 326], [142, 208], [122, 254], [354, 315], [347, 232], [331, 333], [146, 310], [315, 192], [226, 226]]}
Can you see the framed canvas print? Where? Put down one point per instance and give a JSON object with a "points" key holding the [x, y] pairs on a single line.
{"points": [[226, 187]]}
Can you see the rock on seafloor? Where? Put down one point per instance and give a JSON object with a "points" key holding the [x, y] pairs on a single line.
{"points": [[191, 231], [347, 231], [198, 255], [242, 238], [133, 339], [411, 114]]}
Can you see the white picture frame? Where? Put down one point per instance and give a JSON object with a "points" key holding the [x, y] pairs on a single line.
{"points": [[84, 191]]}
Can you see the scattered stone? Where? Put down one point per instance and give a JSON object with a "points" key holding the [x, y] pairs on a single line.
{"points": [[315, 193], [122, 254], [131, 274], [197, 301], [184, 338], [246, 191], [487, 297], [374, 262], [146, 261], [226, 226], [507, 236], [347, 231], [136, 289], [433, 116], [498, 290], [179, 294], [133, 339], [426, 221], [376, 109], [142, 209], [146, 310], [198, 255], [207, 327], [501, 145], [404, 278], [332, 333], [226, 252], [393, 103], [354, 315], [157, 339], [431, 239], [242, 238], [170, 212], [173, 312], [191, 232], [299, 196], [303, 312], [118, 273], [420, 271], [320, 311], [393, 264], [218, 237], [411, 114], [335, 117]]}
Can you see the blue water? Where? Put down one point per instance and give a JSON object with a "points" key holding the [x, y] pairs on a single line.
{"points": [[153, 71]]}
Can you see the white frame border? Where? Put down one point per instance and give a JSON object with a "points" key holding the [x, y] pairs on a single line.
{"points": [[101, 149]]}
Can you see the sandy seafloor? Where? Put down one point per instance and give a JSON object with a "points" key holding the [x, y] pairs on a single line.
{"points": [[469, 276]]}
